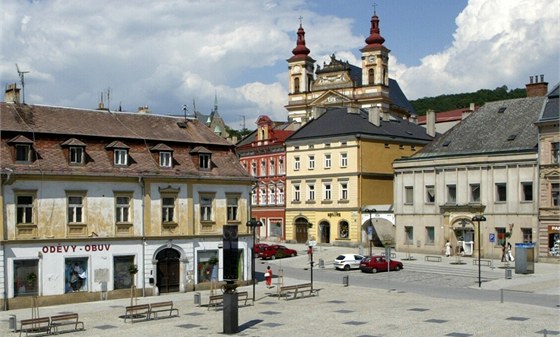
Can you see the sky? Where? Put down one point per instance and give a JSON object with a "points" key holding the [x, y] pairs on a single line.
{"points": [[167, 54]]}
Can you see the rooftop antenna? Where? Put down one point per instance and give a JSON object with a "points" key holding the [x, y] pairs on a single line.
{"points": [[185, 111], [243, 123], [109, 99], [21, 77]]}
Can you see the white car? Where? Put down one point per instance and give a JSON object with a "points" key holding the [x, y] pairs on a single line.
{"points": [[348, 261]]}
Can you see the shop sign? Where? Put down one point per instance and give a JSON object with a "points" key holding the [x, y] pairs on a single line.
{"points": [[59, 249]]}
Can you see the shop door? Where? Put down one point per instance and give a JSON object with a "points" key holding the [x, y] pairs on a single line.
{"points": [[301, 230], [168, 271]]}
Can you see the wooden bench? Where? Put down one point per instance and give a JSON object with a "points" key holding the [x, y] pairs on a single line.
{"points": [[70, 319], [158, 307], [217, 300], [35, 325], [137, 311], [432, 258], [296, 289], [484, 262]]}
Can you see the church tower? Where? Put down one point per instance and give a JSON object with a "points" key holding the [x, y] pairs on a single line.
{"points": [[375, 57]]}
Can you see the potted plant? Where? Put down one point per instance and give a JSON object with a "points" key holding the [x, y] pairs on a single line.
{"points": [[31, 278]]}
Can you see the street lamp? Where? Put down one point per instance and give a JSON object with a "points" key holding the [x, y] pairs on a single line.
{"points": [[253, 223], [479, 218], [370, 229]]}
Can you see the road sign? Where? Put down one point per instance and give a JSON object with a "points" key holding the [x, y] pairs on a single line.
{"points": [[492, 237]]}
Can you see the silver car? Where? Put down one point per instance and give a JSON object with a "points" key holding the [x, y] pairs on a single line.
{"points": [[348, 261]]}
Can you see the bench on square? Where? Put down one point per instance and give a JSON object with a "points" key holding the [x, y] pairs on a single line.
{"points": [[71, 320], [35, 325], [484, 262], [305, 288], [432, 258], [137, 311], [216, 300], [158, 307]]}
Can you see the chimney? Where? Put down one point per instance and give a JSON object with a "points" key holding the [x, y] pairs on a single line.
{"points": [[374, 116], [144, 109], [353, 110], [431, 123], [413, 119], [317, 111], [468, 111], [536, 88], [385, 115], [12, 93]]}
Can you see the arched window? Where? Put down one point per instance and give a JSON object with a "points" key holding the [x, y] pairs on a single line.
{"points": [[371, 76], [296, 84]]}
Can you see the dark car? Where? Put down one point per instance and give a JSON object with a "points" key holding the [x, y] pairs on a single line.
{"points": [[276, 252], [259, 247], [373, 264]]}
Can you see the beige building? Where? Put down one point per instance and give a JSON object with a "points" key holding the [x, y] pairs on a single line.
{"points": [[486, 165]]}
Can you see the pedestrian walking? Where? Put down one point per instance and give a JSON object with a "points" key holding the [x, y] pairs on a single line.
{"points": [[508, 253], [268, 277], [447, 249], [504, 257]]}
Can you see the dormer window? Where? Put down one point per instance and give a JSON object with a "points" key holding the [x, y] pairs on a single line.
{"points": [[204, 157], [165, 159], [120, 153], [23, 149], [204, 160], [165, 154], [76, 151]]}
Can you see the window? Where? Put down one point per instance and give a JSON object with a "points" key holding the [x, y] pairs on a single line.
{"points": [[310, 192], [327, 161], [76, 274], [475, 193], [297, 193], [344, 191], [122, 209], [165, 159], [296, 84], [451, 194], [121, 157], [206, 208], [76, 155], [26, 281], [204, 161], [122, 279], [296, 163], [501, 192], [555, 194], [344, 159], [430, 235], [23, 153], [408, 195], [527, 235], [75, 209], [343, 230], [24, 212], [262, 196], [263, 168], [281, 165], [232, 207], [328, 191], [271, 195], [501, 236], [253, 198], [280, 195], [254, 169], [430, 194], [167, 209], [311, 162], [555, 152], [408, 235], [527, 191], [272, 167]]}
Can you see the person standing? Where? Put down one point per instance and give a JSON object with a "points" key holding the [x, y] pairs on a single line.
{"points": [[268, 277], [447, 249], [509, 254]]}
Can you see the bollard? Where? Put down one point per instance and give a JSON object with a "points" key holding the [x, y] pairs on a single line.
{"points": [[12, 323], [345, 280], [508, 274], [197, 299], [321, 263], [502, 295]]}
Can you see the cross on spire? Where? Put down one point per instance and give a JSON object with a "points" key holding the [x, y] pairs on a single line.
{"points": [[374, 8], [300, 19]]}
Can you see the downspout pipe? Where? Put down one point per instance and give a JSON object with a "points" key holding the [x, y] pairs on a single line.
{"points": [[143, 234]]}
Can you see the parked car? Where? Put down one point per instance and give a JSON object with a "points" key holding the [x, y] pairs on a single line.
{"points": [[348, 261], [259, 247], [373, 264], [276, 251]]}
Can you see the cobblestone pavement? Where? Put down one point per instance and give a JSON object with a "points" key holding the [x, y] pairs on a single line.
{"points": [[338, 310]]}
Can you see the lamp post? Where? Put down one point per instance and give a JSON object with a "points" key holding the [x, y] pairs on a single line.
{"points": [[253, 223], [370, 228], [479, 219]]}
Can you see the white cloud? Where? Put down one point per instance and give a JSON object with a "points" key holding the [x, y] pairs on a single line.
{"points": [[496, 42]]}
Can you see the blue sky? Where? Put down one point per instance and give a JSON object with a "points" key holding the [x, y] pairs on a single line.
{"points": [[165, 54]]}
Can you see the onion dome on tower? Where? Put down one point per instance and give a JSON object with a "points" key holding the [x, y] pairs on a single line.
{"points": [[374, 40], [300, 51]]}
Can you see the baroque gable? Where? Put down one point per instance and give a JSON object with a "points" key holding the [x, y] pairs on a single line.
{"points": [[331, 98]]}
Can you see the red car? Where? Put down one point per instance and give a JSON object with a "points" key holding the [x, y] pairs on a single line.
{"points": [[259, 247], [373, 264], [276, 251]]}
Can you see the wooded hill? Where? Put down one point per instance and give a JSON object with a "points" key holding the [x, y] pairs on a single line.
{"points": [[457, 101]]}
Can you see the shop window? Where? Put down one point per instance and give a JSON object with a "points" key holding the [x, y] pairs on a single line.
{"points": [[122, 279], [207, 266], [26, 280], [343, 230], [76, 275]]}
